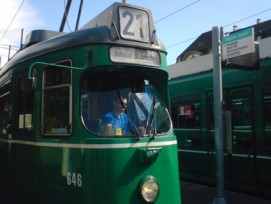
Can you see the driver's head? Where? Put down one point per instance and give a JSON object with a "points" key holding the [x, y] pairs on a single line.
{"points": [[119, 104]]}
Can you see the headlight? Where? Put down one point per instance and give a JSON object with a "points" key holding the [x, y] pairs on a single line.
{"points": [[149, 189]]}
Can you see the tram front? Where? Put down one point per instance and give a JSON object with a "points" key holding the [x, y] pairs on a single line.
{"points": [[124, 109], [127, 114]]}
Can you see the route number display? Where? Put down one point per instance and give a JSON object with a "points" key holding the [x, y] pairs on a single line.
{"points": [[134, 24]]}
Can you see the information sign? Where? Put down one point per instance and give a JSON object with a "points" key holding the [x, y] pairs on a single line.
{"points": [[135, 56], [237, 44]]}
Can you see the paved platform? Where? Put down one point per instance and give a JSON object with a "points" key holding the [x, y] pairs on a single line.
{"points": [[200, 194]]}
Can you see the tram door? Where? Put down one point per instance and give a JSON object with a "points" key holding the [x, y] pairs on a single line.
{"points": [[239, 157]]}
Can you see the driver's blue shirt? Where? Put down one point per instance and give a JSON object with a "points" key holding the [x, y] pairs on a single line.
{"points": [[120, 125]]}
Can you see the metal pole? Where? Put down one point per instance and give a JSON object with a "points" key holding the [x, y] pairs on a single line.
{"points": [[9, 49], [65, 16], [218, 115], [79, 14], [22, 36], [124, 1]]}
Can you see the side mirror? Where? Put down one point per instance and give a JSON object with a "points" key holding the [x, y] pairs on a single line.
{"points": [[28, 83], [34, 78]]}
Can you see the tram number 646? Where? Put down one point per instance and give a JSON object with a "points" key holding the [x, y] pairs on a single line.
{"points": [[74, 179]]}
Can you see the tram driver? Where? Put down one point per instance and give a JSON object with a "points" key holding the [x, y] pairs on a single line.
{"points": [[116, 122]]}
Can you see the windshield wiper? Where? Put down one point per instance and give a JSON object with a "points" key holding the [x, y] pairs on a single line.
{"points": [[133, 128], [152, 119]]}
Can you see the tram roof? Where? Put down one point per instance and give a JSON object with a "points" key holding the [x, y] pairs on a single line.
{"points": [[40, 42]]}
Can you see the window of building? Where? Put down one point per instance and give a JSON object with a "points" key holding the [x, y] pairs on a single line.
{"points": [[267, 117], [57, 119]]}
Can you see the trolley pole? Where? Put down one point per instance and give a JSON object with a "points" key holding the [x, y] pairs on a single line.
{"points": [[218, 115], [9, 50], [65, 16]]}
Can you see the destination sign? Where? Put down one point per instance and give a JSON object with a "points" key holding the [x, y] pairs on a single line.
{"points": [[239, 43], [134, 24], [135, 56]]}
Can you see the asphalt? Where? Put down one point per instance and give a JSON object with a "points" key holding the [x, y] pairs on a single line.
{"points": [[201, 194]]}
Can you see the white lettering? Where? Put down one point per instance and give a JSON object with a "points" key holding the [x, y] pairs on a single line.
{"points": [[74, 179]]}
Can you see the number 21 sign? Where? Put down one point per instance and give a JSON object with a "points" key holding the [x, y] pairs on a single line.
{"points": [[134, 24]]}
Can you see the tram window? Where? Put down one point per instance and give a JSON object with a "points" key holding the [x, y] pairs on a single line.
{"points": [[267, 117], [4, 109], [57, 76], [57, 100], [241, 110], [128, 106], [24, 106], [185, 112]]}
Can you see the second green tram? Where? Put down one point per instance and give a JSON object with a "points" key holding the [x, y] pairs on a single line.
{"points": [[247, 121]]}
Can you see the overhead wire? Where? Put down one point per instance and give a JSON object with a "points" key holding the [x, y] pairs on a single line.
{"points": [[222, 26], [12, 20], [177, 11], [7, 46], [247, 17], [14, 46], [182, 42], [154, 22]]}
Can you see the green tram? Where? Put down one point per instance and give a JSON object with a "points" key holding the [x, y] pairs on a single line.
{"points": [[247, 120], [57, 142]]}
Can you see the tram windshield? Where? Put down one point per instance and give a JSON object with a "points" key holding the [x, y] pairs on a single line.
{"points": [[123, 106]]}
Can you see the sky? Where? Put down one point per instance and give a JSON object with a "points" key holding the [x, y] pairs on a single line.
{"points": [[176, 21]]}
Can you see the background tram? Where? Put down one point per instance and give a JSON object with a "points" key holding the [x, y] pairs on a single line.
{"points": [[54, 94], [247, 114]]}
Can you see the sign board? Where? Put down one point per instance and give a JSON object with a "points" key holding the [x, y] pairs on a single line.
{"points": [[265, 48], [238, 44], [134, 24], [186, 111], [135, 56]]}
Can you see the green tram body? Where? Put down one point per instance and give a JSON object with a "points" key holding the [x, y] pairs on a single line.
{"points": [[49, 154], [247, 110]]}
